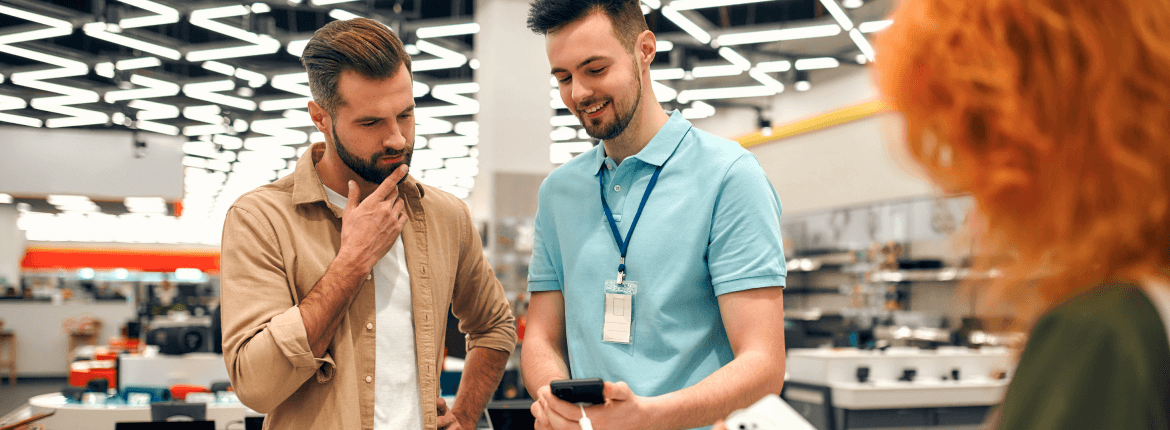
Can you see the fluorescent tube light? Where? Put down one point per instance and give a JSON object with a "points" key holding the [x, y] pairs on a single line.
{"points": [[663, 92], [207, 91], [98, 30], [838, 14], [57, 27], [862, 44], [774, 66], [255, 79], [700, 4], [343, 15], [735, 58], [138, 63], [448, 59], [165, 14], [817, 63], [725, 93], [662, 75], [218, 67], [766, 36], [284, 104], [447, 30], [874, 26], [767, 80], [154, 88], [682, 22], [720, 70], [297, 47]]}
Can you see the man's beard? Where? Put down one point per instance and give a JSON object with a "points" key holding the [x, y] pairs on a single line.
{"points": [[621, 120], [369, 170]]}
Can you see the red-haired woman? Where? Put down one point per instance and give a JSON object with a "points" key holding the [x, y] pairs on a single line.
{"points": [[1055, 116]]}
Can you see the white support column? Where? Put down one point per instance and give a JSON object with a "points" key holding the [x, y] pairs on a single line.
{"points": [[514, 129], [11, 246]]}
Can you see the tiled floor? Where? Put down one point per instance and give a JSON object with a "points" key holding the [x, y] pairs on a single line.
{"points": [[14, 397]]}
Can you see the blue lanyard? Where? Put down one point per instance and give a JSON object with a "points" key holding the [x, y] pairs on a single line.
{"points": [[624, 245]]}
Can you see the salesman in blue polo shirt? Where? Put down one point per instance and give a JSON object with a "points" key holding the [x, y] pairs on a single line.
{"points": [[658, 264]]}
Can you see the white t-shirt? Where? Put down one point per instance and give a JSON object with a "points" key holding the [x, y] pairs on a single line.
{"points": [[396, 390]]}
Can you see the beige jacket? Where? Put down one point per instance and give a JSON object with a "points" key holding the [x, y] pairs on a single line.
{"points": [[279, 239]]}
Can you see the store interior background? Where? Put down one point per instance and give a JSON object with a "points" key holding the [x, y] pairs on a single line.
{"points": [[109, 132]]}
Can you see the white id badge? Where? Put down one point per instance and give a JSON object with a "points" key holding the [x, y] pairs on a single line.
{"points": [[619, 312]]}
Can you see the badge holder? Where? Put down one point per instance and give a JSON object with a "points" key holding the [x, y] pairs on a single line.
{"points": [[619, 311]]}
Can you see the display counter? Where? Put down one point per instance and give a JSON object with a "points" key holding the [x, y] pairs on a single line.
{"points": [[43, 344], [951, 388], [70, 415]]}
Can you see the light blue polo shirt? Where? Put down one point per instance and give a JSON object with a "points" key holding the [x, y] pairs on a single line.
{"points": [[710, 227]]}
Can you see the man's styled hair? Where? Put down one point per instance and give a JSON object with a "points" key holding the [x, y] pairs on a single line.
{"points": [[363, 45], [548, 16]]}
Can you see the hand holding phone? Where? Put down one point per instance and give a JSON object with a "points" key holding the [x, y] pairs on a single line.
{"points": [[588, 391]]}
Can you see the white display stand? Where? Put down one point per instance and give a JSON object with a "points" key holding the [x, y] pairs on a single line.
{"points": [[198, 368], [74, 416]]}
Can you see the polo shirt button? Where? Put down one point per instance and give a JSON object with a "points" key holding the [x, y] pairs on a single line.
{"points": [[617, 188], [369, 379], [369, 326]]}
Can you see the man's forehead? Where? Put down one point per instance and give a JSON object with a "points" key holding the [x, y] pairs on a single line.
{"points": [[355, 96]]}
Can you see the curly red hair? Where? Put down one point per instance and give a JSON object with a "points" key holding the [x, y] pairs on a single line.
{"points": [[1055, 116]]}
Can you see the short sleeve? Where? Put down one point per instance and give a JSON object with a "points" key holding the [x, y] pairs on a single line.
{"points": [[746, 250], [542, 269], [1077, 371]]}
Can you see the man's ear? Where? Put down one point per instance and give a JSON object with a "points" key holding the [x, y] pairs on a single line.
{"points": [[320, 118], [647, 46]]}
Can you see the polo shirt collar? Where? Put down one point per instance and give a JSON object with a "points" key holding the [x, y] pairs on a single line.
{"points": [[307, 186], [661, 146]]}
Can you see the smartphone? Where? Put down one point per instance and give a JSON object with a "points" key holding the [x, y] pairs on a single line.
{"points": [[579, 390]]}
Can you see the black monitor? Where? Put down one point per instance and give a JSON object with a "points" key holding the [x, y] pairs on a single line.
{"points": [[178, 411], [511, 414]]}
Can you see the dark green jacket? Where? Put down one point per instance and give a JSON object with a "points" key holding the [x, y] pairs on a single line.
{"points": [[1099, 361]]}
